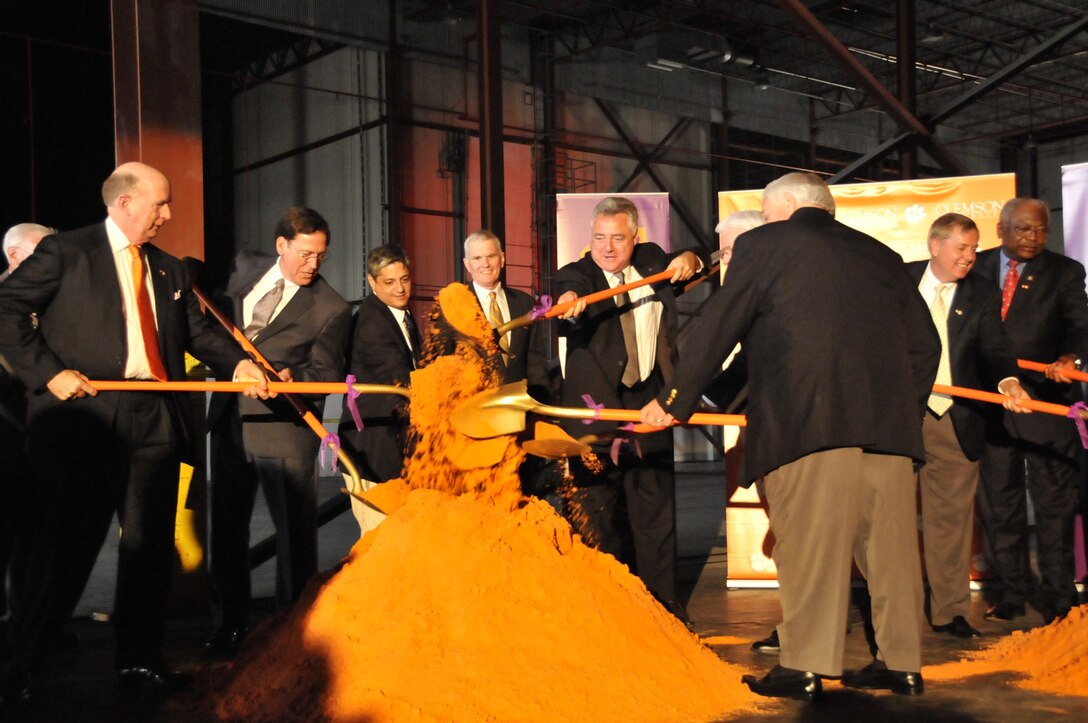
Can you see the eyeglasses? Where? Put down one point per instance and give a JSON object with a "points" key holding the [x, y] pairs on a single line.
{"points": [[308, 256], [1025, 230]]}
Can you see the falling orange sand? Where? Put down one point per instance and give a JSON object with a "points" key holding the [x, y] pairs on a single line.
{"points": [[1053, 659], [473, 603]]}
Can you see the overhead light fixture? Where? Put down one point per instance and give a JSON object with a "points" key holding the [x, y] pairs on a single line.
{"points": [[763, 82], [933, 34]]}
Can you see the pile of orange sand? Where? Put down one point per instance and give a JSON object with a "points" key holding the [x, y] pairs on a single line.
{"points": [[1053, 659], [472, 603]]}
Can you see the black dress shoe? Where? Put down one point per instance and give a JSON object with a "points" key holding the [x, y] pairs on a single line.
{"points": [[959, 627], [678, 611], [786, 683], [876, 676], [157, 677], [225, 642], [768, 644], [1004, 611]]}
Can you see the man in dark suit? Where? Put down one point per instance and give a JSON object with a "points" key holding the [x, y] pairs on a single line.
{"points": [[524, 355], [1045, 314], [841, 358], [619, 353], [385, 348], [299, 324], [108, 305], [20, 241], [966, 309]]}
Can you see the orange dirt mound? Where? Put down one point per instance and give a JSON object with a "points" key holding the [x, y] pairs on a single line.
{"points": [[1054, 658], [473, 603]]}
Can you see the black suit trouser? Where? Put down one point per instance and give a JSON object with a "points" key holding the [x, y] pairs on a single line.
{"points": [[1050, 476], [290, 489], [88, 465], [15, 485], [629, 509]]}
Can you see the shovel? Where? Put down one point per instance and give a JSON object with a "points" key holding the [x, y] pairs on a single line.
{"points": [[552, 442], [526, 319], [502, 411]]}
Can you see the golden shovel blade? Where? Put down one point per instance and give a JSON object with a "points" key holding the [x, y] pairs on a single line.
{"points": [[551, 442], [495, 412]]}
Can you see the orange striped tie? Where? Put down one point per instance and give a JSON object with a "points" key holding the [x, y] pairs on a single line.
{"points": [[147, 316]]}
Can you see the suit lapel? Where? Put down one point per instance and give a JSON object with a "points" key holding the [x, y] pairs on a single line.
{"points": [[103, 267], [394, 328], [1035, 273]]}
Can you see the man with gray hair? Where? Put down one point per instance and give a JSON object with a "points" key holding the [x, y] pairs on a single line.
{"points": [[729, 228], [842, 357], [524, 355], [620, 353], [20, 242]]}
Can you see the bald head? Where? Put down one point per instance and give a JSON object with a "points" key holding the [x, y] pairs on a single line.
{"points": [[137, 198]]}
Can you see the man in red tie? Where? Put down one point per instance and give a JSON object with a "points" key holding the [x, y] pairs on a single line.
{"points": [[102, 302], [1045, 314]]}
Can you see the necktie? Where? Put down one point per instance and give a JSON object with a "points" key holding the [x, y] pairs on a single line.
{"points": [[1012, 278], [147, 316], [262, 310], [941, 403], [631, 374], [494, 313], [413, 337]]}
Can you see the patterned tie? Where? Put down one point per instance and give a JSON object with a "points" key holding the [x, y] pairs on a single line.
{"points": [[413, 337], [1012, 278], [941, 403], [494, 313], [262, 310], [147, 316], [631, 375]]}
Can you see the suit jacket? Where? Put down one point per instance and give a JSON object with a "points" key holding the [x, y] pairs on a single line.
{"points": [[70, 283], [12, 393], [379, 355], [1048, 317], [841, 349], [979, 353], [308, 336], [596, 355], [528, 354]]}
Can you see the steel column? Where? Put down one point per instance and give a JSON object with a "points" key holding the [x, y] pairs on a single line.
{"points": [[489, 72]]}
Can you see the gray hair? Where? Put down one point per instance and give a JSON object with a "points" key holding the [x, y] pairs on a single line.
{"points": [[740, 220], [1013, 205], [614, 206], [482, 235], [17, 234], [807, 188]]}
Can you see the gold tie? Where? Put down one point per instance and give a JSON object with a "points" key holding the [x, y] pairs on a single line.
{"points": [[941, 403], [146, 315], [495, 315], [631, 373]]}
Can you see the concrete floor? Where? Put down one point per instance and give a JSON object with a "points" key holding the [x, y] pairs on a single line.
{"points": [[78, 684]]}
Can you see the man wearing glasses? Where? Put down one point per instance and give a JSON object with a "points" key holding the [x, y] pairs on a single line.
{"points": [[1045, 313], [300, 324]]}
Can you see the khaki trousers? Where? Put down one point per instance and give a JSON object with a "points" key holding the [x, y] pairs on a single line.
{"points": [[825, 509], [948, 483]]}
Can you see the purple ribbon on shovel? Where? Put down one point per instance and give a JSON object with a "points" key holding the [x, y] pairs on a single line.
{"points": [[541, 308], [353, 393], [594, 406], [1073, 414]]}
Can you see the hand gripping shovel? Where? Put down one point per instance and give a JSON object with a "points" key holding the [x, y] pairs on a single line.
{"points": [[502, 411]]}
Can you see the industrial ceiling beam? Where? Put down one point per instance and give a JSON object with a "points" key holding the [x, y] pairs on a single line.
{"points": [[881, 95], [976, 92], [656, 153], [674, 201]]}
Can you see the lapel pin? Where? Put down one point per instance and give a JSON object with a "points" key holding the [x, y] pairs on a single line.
{"points": [[1025, 286], [959, 312], [177, 294]]}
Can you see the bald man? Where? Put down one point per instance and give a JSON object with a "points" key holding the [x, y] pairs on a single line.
{"points": [[103, 302]]}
